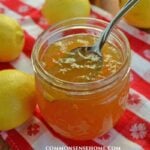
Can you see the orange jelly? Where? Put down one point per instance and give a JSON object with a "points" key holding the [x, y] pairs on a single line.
{"points": [[81, 97]]}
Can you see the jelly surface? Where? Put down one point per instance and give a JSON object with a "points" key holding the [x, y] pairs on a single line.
{"points": [[63, 62]]}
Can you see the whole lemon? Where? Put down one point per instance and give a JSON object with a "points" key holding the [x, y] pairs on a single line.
{"points": [[11, 38], [58, 10], [17, 98], [139, 15]]}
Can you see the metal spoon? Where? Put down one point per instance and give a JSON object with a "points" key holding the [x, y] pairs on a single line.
{"points": [[97, 47]]}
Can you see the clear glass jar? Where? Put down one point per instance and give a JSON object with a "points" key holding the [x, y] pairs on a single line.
{"points": [[81, 111]]}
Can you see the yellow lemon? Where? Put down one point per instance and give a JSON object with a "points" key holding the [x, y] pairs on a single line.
{"points": [[58, 10], [17, 98], [11, 39], [139, 15]]}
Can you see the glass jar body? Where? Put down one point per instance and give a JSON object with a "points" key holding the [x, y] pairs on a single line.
{"points": [[82, 117], [82, 111]]}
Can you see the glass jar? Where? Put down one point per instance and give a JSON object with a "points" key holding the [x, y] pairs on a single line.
{"points": [[81, 111], [139, 15]]}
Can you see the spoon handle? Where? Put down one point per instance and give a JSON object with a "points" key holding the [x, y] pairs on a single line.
{"points": [[122, 12]]}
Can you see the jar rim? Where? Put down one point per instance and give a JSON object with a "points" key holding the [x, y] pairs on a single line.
{"points": [[68, 84]]}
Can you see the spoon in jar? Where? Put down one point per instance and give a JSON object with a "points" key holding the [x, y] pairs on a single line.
{"points": [[97, 47]]}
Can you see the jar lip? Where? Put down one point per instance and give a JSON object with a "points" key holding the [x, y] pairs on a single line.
{"points": [[47, 76]]}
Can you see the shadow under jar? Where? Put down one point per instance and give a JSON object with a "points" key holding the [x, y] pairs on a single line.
{"points": [[78, 98]]}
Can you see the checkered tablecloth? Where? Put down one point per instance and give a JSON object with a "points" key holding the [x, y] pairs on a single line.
{"points": [[132, 131]]}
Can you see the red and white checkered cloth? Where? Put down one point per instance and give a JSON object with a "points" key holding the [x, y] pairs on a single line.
{"points": [[133, 130]]}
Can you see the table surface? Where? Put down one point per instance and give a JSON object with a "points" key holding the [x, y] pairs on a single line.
{"points": [[132, 132]]}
